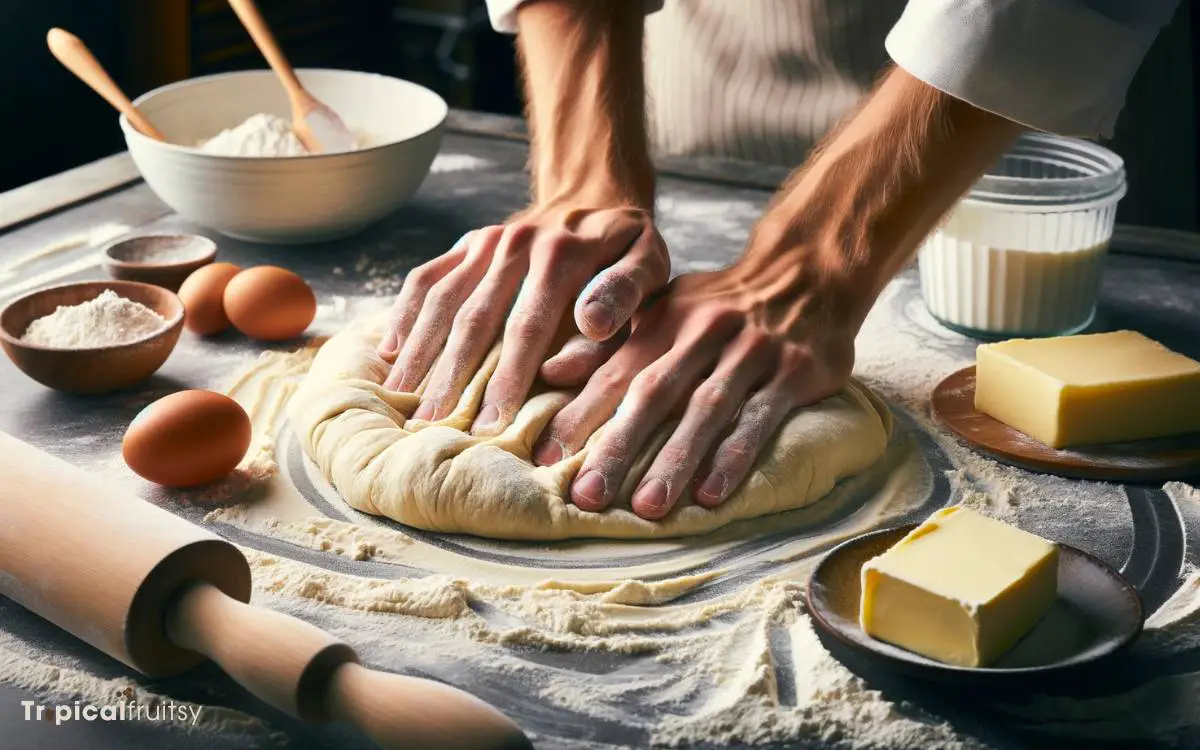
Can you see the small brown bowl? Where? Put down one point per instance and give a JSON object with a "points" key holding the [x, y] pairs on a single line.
{"points": [[94, 370], [161, 259]]}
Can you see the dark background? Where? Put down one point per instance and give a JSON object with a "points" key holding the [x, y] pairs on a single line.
{"points": [[51, 122]]}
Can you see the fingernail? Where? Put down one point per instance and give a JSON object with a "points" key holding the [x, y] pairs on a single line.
{"points": [[599, 316], [425, 411], [387, 347], [713, 489], [591, 489], [652, 495], [488, 417], [548, 451]]}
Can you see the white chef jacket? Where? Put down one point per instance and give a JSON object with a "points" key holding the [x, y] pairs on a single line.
{"points": [[764, 79]]}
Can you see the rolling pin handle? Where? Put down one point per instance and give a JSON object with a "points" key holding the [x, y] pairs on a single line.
{"points": [[282, 660], [306, 672], [407, 713]]}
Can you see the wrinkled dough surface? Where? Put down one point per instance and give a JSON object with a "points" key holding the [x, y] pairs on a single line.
{"points": [[438, 477]]}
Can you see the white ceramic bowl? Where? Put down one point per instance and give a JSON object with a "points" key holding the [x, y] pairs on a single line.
{"points": [[287, 199]]}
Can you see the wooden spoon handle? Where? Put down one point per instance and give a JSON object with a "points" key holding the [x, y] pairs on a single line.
{"points": [[247, 11], [306, 672], [77, 58]]}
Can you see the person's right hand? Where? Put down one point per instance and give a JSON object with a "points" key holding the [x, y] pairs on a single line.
{"points": [[517, 281]]}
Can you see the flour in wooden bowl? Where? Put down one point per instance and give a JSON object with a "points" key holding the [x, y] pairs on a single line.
{"points": [[107, 320]]}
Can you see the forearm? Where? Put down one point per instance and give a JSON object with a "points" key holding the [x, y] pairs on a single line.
{"points": [[880, 183], [583, 73]]}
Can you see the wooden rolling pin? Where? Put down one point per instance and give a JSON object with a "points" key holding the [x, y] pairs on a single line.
{"points": [[160, 594]]}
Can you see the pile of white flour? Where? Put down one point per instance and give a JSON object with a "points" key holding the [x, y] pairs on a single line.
{"points": [[88, 238], [263, 135], [260, 135], [107, 320]]}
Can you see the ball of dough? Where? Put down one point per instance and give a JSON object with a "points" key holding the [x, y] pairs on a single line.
{"points": [[440, 477]]}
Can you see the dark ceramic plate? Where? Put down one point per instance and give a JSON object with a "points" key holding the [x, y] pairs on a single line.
{"points": [[1097, 613]]}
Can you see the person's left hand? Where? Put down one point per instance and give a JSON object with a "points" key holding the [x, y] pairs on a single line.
{"points": [[735, 351]]}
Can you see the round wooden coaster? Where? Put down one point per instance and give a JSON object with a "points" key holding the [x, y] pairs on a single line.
{"points": [[1157, 460]]}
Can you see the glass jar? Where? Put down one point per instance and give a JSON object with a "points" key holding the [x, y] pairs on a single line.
{"points": [[1021, 254]]}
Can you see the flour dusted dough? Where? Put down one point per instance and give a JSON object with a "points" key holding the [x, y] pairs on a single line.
{"points": [[436, 476]]}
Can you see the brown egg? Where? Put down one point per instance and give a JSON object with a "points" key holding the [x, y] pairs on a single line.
{"points": [[187, 439], [270, 303], [203, 297]]}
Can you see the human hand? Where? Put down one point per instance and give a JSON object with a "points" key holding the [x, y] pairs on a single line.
{"points": [[588, 241], [450, 311], [735, 351]]}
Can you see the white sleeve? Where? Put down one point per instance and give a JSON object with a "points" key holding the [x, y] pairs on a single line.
{"points": [[1061, 66], [503, 13]]}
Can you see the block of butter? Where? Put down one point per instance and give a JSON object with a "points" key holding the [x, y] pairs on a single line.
{"points": [[1095, 388], [961, 588]]}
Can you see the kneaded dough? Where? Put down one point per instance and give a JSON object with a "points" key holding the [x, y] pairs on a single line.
{"points": [[438, 477]]}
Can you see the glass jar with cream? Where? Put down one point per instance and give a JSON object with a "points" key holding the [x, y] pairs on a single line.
{"points": [[1021, 253]]}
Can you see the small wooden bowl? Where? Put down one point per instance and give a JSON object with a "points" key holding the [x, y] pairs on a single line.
{"points": [[161, 259], [93, 370]]}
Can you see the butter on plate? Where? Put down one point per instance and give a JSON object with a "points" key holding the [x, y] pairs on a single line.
{"points": [[961, 588], [1096, 388]]}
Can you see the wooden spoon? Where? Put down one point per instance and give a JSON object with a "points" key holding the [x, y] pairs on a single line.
{"points": [[77, 58], [316, 125]]}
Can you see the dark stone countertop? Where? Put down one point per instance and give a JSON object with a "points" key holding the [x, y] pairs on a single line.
{"points": [[1158, 295]]}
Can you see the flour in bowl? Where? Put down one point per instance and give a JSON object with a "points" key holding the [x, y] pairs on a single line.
{"points": [[260, 135], [263, 135], [107, 320]]}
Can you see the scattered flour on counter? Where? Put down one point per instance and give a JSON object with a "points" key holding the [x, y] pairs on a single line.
{"points": [[90, 238], [726, 675], [384, 276], [458, 163], [833, 707], [51, 681], [86, 263], [94, 237], [107, 320]]}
